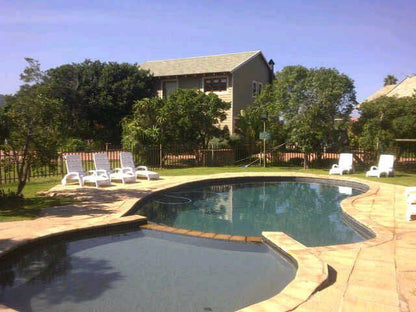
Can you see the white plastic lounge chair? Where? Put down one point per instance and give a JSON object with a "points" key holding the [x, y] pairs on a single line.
{"points": [[102, 166], [127, 162], [410, 191], [76, 172], [385, 165], [410, 194], [344, 164]]}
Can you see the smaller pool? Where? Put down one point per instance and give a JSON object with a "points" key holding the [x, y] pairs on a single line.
{"points": [[142, 271], [308, 212]]}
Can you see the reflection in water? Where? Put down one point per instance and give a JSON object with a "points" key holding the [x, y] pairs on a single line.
{"points": [[47, 273], [309, 212], [142, 271]]}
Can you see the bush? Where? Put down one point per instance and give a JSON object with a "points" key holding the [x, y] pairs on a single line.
{"points": [[7, 196]]}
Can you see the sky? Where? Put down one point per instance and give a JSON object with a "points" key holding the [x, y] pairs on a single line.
{"points": [[366, 39]]}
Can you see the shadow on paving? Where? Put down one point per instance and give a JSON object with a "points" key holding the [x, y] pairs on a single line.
{"points": [[93, 201]]}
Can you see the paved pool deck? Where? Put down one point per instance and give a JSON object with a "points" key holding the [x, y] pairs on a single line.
{"points": [[375, 275]]}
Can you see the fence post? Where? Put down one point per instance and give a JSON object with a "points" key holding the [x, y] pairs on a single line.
{"points": [[160, 156], [61, 159]]}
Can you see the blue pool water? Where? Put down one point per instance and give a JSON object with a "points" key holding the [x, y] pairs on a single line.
{"points": [[142, 271], [308, 212]]}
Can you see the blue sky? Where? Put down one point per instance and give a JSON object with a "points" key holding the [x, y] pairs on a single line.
{"points": [[366, 39]]}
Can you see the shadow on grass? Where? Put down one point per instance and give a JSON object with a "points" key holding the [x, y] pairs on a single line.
{"points": [[16, 208]]}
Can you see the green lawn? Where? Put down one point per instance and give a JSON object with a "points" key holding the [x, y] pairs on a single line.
{"points": [[29, 207], [400, 178]]}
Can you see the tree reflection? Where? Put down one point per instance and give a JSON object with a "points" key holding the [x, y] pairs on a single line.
{"points": [[309, 212], [51, 275], [43, 264]]}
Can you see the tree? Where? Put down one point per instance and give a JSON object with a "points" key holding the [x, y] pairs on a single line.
{"points": [[187, 117], [385, 119], [390, 80], [315, 105], [32, 72], [147, 124], [250, 122], [33, 123], [195, 117], [97, 96]]}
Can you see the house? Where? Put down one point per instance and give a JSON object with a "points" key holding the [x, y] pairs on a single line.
{"points": [[406, 87], [237, 78]]}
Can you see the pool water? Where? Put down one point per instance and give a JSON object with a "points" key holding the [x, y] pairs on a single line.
{"points": [[308, 212], [142, 271]]}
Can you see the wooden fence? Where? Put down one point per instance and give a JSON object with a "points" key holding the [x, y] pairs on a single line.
{"points": [[181, 157]]}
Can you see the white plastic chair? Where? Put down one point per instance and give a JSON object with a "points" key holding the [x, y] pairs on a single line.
{"points": [[410, 194], [102, 166], [385, 165], [344, 164], [127, 162], [75, 171]]}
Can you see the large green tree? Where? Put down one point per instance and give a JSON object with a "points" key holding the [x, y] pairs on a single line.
{"points": [[385, 119], [98, 95], [251, 120], [32, 121], [187, 117], [314, 105]]}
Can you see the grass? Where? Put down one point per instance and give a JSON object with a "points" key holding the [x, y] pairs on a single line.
{"points": [[400, 178], [30, 206]]}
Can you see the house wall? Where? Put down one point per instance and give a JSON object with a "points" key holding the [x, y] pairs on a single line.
{"points": [[196, 82], [239, 87], [254, 70]]}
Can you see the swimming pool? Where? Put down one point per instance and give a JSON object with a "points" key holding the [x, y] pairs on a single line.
{"points": [[308, 211], [141, 271]]}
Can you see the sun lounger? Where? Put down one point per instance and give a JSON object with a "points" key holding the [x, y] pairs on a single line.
{"points": [[102, 166], [76, 172], [410, 194], [127, 162], [344, 164], [385, 165]]}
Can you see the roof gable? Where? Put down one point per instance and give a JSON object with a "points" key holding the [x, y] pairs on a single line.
{"points": [[406, 87], [200, 65]]}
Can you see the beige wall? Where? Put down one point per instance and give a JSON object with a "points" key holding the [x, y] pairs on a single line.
{"points": [[257, 70], [239, 88], [196, 82]]}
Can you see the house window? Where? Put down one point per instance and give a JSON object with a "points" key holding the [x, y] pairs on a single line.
{"points": [[254, 89], [260, 87], [215, 84], [169, 87]]}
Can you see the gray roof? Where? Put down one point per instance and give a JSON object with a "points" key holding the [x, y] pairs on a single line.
{"points": [[200, 65]]}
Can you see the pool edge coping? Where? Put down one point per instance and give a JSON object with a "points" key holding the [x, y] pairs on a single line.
{"points": [[277, 302]]}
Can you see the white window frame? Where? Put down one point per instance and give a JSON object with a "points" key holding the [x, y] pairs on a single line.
{"points": [[215, 77], [259, 87]]}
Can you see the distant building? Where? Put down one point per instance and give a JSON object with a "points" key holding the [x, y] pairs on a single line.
{"points": [[237, 78], [407, 87]]}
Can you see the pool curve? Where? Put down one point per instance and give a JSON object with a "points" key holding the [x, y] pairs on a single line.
{"points": [[354, 224], [312, 274]]}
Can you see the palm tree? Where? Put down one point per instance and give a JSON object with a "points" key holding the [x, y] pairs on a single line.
{"points": [[390, 80]]}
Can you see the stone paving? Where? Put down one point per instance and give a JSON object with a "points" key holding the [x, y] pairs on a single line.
{"points": [[375, 275]]}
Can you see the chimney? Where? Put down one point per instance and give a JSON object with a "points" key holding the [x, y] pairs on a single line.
{"points": [[271, 73], [271, 65]]}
